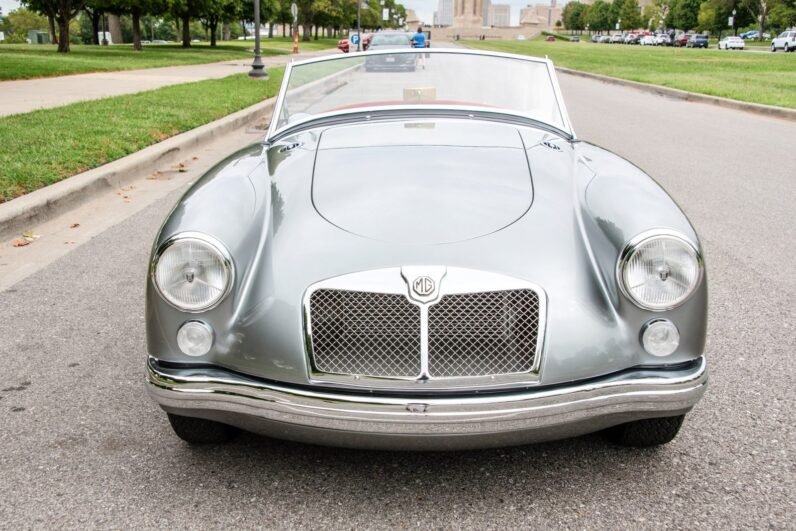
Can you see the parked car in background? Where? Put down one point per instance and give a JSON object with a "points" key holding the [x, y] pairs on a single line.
{"points": [[753, 34], [697, 41], [391, 40], [632, 38], [363, 277], [574, 38], [617, 38], [606, 39], [785, 42], [663, 39], [550, 38], [595, 38], [731, 43], [681, 39], [648, 40]]}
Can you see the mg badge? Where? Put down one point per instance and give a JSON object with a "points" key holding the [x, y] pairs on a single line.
{"points": [[423, 283], [424, 286]]}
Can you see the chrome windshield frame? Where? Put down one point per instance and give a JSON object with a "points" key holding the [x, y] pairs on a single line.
{"points": [[274, 131]]}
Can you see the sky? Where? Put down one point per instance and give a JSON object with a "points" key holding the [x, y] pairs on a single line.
{"points": [[8, 6], [425, 8]]}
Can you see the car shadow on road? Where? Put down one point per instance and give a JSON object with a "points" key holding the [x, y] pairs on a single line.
{"points": [[259, 464]]}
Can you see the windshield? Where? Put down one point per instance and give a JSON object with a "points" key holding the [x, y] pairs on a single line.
{"points": [[409, 78], [394, 39]]}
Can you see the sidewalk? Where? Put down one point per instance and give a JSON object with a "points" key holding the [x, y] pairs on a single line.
{"points": [[32, 94]]}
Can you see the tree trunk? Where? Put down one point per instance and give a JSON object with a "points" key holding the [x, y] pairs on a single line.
{"points": [[177, 25], [271, 30], [316, 32], [284, 26], [226, 33], [63, 33], [213, 27], [186, 30], [51, 22], [243, 26], [307, 32], [136, 14], [95, 27]]}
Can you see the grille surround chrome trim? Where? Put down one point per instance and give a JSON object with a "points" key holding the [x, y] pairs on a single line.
{"points": [[396, 281]]}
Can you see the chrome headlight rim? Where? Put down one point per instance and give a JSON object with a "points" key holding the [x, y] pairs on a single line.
{"points": [[645, 237], [217, 246]]}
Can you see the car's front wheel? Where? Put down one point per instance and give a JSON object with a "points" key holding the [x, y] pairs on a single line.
{"points": [[773, 48], [646, 432], [201, 431]]}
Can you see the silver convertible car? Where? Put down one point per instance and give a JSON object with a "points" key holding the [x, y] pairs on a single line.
{"points": [[426, 259]]}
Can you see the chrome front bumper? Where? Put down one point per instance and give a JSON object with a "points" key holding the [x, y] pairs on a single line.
{"points": [[431, 423]]}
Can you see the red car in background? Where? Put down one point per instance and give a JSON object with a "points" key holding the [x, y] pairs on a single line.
{"points": [[343, 44]]}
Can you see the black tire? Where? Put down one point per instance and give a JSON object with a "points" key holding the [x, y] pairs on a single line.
{"points": [[201, 431], [773, 49], [647, 432]]}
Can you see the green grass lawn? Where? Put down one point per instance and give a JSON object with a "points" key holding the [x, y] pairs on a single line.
{"points": [[24, 61], [754, 77], [43, 147]]}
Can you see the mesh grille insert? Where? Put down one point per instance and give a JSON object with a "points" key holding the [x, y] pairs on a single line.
{"points": [[479, 334], [370, 334]]}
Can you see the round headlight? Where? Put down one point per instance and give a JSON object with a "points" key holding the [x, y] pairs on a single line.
{"points": [[192, 272], [659, 271]]}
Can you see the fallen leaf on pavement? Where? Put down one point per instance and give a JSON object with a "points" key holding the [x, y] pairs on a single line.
{"points": [[20, 243], [70, 242], [74, 225], [30, 236], [196, 158]]}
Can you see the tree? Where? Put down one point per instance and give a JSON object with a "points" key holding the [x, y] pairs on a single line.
{"points": [[63, 11], [783, 14], [573, 15], [598, 16], [630, 15], [686, 14], [19, 22], [616, 11], [215, 12], [184, 10]]}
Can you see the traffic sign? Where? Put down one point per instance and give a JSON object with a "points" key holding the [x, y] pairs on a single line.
{"points": [[354, 39], [294, 10]]}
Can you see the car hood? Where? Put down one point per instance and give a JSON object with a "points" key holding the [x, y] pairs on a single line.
{"points": [[421, 182]]}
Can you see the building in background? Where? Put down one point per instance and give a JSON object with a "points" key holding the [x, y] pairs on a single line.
{"points": [[485, 12], [540, 16], [500, 15], [443, 16], [468, 13]]}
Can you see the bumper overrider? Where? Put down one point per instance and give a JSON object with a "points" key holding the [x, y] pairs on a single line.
{"points": [[339, 418]]}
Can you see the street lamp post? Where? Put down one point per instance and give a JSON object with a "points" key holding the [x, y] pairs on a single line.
{"points": [[734, 25], [359, 25], [258, 68]]}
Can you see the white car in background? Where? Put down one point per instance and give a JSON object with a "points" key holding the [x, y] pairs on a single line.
{"points": [[786, 41], [662, 39], [731, 43], [648, 40]]}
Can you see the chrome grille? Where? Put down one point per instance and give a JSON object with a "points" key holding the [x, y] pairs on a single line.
{"points": [[480, 334], [370, 334]]}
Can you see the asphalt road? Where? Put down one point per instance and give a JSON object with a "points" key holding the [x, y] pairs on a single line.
{"points": [[82, 446]]}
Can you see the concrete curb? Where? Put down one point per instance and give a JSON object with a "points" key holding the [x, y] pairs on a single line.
{"points": [[22, 213], [765, 110]]}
